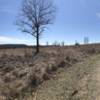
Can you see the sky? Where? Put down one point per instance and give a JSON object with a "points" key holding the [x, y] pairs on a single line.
{"points": [[75, 19]]}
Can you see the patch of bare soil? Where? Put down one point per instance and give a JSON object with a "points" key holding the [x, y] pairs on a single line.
{"points": [[95, 78], [89, 86]]}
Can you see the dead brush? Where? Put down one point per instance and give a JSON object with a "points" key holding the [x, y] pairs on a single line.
{"points": [[60, 57], [4, 55], [32, 79]]}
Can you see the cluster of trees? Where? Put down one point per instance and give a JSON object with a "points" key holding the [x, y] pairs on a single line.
{"points": [[86, 41], [56, 43]]}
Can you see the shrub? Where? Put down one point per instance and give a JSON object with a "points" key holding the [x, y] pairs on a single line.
{"points": [[77, 44], [46, 76], [32, 79]]}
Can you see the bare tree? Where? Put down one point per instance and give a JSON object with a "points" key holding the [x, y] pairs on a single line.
{"points": [[86, 40], [47, 43], [35, 16], [63, 43]]}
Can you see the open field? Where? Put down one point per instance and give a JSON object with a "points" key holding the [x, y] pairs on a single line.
{"points": [[22, 73], [78, 82]]}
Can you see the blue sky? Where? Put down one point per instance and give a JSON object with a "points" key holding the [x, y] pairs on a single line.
{"points": [[75, 19]]}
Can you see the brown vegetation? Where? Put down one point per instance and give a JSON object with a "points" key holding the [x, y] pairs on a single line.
{"points": [[21, 70]]}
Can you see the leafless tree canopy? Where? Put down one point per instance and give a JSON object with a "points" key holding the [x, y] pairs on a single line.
{"points": [[36, 15]]}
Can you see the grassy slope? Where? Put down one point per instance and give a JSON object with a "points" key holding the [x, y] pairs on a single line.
{"points": [[74, 83]]}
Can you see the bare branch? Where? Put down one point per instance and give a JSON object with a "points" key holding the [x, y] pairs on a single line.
{"points": [[35, 16]]}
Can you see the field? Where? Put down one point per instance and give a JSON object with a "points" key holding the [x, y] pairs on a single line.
{"points": [[51, 74]]}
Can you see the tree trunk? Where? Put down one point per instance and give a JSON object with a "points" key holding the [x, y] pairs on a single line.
{"points": [[37, 41], [37, 45]]}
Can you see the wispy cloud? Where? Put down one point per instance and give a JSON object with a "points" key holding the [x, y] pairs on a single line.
{"points": [[11, 40]]}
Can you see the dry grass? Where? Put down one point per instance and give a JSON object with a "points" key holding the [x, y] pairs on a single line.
{"points": [[21, 71], [73, 83]]}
